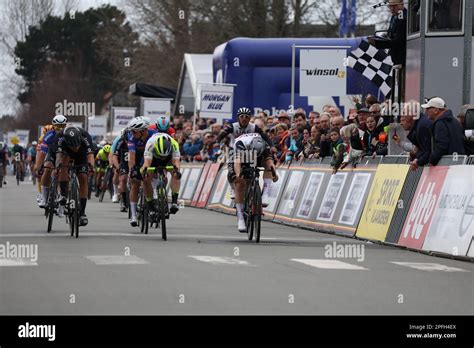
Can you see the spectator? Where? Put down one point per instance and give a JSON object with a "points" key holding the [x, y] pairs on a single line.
{"points": [[375, 142], [313, 116], [362, 118], [369, 100], [419, 135], [337, 122], [334, 111], [192, 147], [352, 155], [301, 111], [293, 144], [284, 118], [210, 148], [337, 149], [317, 122], [301, 123], [326, 108], [447, 131], [216, 129], [280, 140], [260, 123], [270, 121], [325, 140], [310, 143], [468, 141], [376, 110], [352, 116]]}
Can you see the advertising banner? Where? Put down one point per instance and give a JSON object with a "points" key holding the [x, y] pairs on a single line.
{"points": [[23, 136], [219, 188], [288, 199], [10, 136], [452, 228], [355, 197], [202, 179], [310, 195], [216, 101], [275, 191], [97, 126], [423, 206], [331, 197], [184, 177], [206, 189], [121, 117], [322, 72], [191, 183], [155, 107], [382, 201]]}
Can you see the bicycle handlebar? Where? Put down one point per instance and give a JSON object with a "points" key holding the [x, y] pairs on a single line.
{"points": [[156, 169]]}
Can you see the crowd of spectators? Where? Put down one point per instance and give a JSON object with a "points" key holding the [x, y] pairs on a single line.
{"points": [[346, 138]]}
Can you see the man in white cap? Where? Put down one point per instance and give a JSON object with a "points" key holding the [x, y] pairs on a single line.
{"points": [[447, 131]]}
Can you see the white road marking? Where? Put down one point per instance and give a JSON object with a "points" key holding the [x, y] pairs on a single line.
{"points": [[218, 260], [17, 262], [428, 266], [116, 260], [329, 264]]}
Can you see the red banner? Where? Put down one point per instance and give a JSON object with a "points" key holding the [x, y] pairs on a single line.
{"points": [[202, 180], [422, 207], [206, 190]]}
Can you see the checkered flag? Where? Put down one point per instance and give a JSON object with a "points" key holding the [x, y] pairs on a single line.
{"points": [[374, 64]]}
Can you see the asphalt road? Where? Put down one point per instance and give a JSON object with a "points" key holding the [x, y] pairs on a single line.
{"points": [[207, 267]]}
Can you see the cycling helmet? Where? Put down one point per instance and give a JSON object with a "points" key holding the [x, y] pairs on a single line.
{"points": [[72, 136], [34, 143], [139, 123], [106, 148], [102, 143], [258, 145], [59, 120], [163, 146], [244, 111], [163, 123]]}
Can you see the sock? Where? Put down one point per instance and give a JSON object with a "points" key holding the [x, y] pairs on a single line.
{"points": [[133, 206], [174, 197], [63, 188], [115, 189], [154, 182], [266, 184], [240, 208], [44, 191], [83, 205]]}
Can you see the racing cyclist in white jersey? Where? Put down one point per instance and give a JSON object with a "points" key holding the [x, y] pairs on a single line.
{"points": [[251, 150]]}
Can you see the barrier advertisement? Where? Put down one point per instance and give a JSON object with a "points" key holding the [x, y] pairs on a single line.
{"points": [[423, 206], [220, 187], [184, 177], [452, 228], [287, 201], [206, 189], [275, 190], [331, 197], [382, 201], [191, 183], [202, 179], [355, 197], [311, 192]]}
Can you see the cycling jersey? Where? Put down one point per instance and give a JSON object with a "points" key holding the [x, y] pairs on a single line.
{"points": [[149, 148], [102, 156], [3, 153], [138, 145], [32, 151], [18, 149], [47, 140], [235, 130]]}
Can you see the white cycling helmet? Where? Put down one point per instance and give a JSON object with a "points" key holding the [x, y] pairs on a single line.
{"points": [[34, 143], [139, 123], [59, 120]]}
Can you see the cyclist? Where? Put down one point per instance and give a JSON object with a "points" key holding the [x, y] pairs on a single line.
{"points": [[251, 150], [138, 136], [74, 144], [48, 157], [161, 150], [236, 129], [101, 163], [4, 160], [120, 162], [162, 125], [18, 152], [31, 152]]}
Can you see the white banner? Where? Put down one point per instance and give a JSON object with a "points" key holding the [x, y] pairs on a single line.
{"points": [[452, 228], [97, 126], [191, 183], [353, 204], [10, 136], [216, 101], [155, 107], [331, 196], [287, 201], [23, 136], [310, 195], [121, 117], [322, 72]]}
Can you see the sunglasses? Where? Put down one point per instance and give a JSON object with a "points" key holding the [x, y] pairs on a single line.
{"points": [[244, 116]]}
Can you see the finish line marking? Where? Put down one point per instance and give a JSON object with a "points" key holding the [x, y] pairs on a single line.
{"points": [[217, 260], [116, 260], [430, 267], [329, 264]]}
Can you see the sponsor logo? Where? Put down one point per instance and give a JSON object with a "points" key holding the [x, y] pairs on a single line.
{"points": [[325, 72], [467, 218]]}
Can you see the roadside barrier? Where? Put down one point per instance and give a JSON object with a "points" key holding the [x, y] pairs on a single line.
{"points": [[382, 200]]}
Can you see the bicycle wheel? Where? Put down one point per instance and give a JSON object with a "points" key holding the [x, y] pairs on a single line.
{"points": [[18, 176], [51, 204], [102, 188], [71, 214], [163, 208], [145, 218], [248, 213], [140, 215], [77, 207], [1, 175], [257, 212]]}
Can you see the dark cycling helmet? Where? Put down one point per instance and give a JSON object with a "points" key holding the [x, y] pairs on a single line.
{"points": [[258, 145], [72, 137], [244, 111]]}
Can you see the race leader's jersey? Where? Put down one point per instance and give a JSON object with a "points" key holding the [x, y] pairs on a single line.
{"points": [[235, 131], [150, 153]]}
